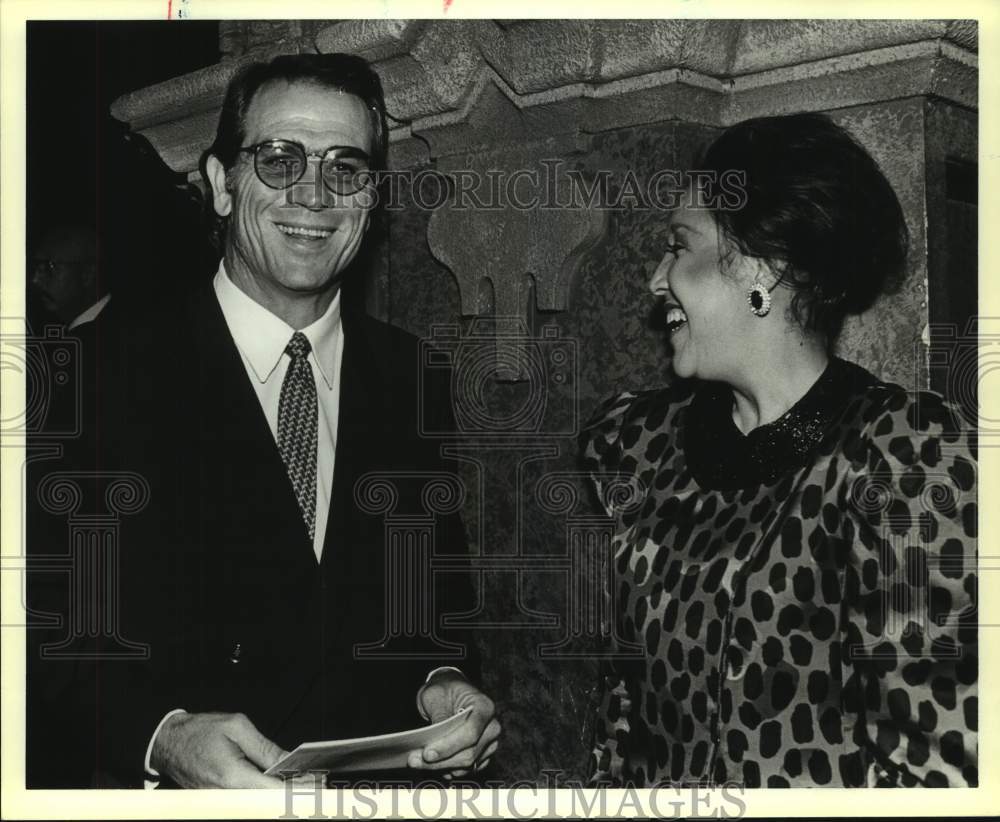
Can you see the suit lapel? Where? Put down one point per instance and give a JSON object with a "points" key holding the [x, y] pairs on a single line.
{"points": [[355, 449], [242, 459]]}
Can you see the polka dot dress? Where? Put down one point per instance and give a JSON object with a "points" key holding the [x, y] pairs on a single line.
{"points": [[800, 600]]}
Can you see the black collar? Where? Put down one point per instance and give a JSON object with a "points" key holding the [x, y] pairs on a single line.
{"points": [[722, 457]]}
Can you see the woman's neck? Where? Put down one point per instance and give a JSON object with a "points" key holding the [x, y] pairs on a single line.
{"points": [[767, 390]]}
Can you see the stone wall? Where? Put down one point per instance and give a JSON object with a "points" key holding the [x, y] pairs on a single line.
{"points": [[592, 95]]}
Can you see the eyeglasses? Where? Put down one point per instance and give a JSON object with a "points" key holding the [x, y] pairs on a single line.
{"points": [[282, 163]]}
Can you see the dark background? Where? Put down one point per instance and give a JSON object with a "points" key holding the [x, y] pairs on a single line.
{"points": [[81, 166]]}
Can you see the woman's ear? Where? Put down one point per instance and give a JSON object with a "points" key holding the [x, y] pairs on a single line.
{"points": [[222, 199], [768, 273]]}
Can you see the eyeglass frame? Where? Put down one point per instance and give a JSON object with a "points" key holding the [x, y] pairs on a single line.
{"points": [[355, 152]]}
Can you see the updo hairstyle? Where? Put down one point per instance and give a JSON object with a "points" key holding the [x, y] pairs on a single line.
{"points": [[818, 209]]}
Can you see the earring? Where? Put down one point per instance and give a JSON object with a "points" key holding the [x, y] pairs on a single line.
{"points": [[759, 298]]}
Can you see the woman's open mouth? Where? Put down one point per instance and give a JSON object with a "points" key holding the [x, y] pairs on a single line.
{"points": [[676, 319]]}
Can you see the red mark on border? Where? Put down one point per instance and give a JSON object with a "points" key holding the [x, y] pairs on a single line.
{"points": [[447, 5], [170, 6]]}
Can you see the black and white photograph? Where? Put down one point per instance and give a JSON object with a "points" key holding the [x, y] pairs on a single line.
{"points": [[421, 408]]}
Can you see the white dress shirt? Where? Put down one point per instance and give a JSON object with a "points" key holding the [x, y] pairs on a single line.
{"points": [[261, 337], [91, 313]]}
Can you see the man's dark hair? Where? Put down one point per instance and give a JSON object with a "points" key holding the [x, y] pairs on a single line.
{"points": [[347, 73], [817, 205], [341, 72]]}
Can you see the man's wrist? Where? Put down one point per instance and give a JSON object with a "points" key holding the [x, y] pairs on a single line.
{"points": [[153, 775], [437, 673]]}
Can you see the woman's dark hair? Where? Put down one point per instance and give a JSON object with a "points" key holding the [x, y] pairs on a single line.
{"points": [[819, 208], [341, 72]]}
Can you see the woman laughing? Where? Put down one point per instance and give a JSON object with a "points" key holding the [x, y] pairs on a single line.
{"points": [[795, 574]]}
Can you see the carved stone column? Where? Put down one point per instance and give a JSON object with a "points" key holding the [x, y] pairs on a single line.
{"points": [[513, 234]]}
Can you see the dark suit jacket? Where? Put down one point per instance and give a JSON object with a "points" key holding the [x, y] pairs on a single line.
{"points": [[218, 573]]}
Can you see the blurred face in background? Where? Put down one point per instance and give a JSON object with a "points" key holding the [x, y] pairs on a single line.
{"points": [[64, 271]]}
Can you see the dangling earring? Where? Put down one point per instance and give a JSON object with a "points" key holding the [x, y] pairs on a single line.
{"points": [[759, 298]]}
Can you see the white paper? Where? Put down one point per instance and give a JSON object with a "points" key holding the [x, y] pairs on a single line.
{"points": [[370, 753]]}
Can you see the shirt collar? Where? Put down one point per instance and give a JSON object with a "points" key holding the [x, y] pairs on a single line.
{"points": [[263, 336], [722, 457], [91, 313]]}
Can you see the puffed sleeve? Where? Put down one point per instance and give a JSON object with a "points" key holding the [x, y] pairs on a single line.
{"points": [[600, 443], [601, 451], [909, 657]]}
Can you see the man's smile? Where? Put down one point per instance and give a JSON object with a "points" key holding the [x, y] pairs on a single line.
{"points": [[307, 232]]}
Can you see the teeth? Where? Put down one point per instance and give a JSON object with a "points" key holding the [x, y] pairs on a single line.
{"points": [[676, 315], [317, 233]]}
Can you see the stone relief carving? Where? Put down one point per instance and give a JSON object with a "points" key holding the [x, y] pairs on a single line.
{"points": [[485, 95], [573, 75]]}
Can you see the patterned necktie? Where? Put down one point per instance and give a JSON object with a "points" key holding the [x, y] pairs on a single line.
{"points": [[297, 427]]}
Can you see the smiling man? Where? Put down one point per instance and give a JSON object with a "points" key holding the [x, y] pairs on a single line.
{"points": [[296, 194], [290, 173], [252, 574]]}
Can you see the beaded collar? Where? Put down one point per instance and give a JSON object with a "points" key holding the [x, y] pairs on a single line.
{"points": [[722, 457]]}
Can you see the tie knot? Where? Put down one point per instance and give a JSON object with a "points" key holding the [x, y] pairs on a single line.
{"points": [[298, 346]]}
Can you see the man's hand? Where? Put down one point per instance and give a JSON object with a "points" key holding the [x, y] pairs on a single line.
{"points": [[214, 750], [473, 742]]}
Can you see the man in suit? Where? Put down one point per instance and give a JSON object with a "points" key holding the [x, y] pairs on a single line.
{"points": [[65, 274], [251, 412], [72, 283]]}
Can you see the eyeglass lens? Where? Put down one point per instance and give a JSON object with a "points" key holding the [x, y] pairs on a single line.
{"points": [[280, 164]]}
